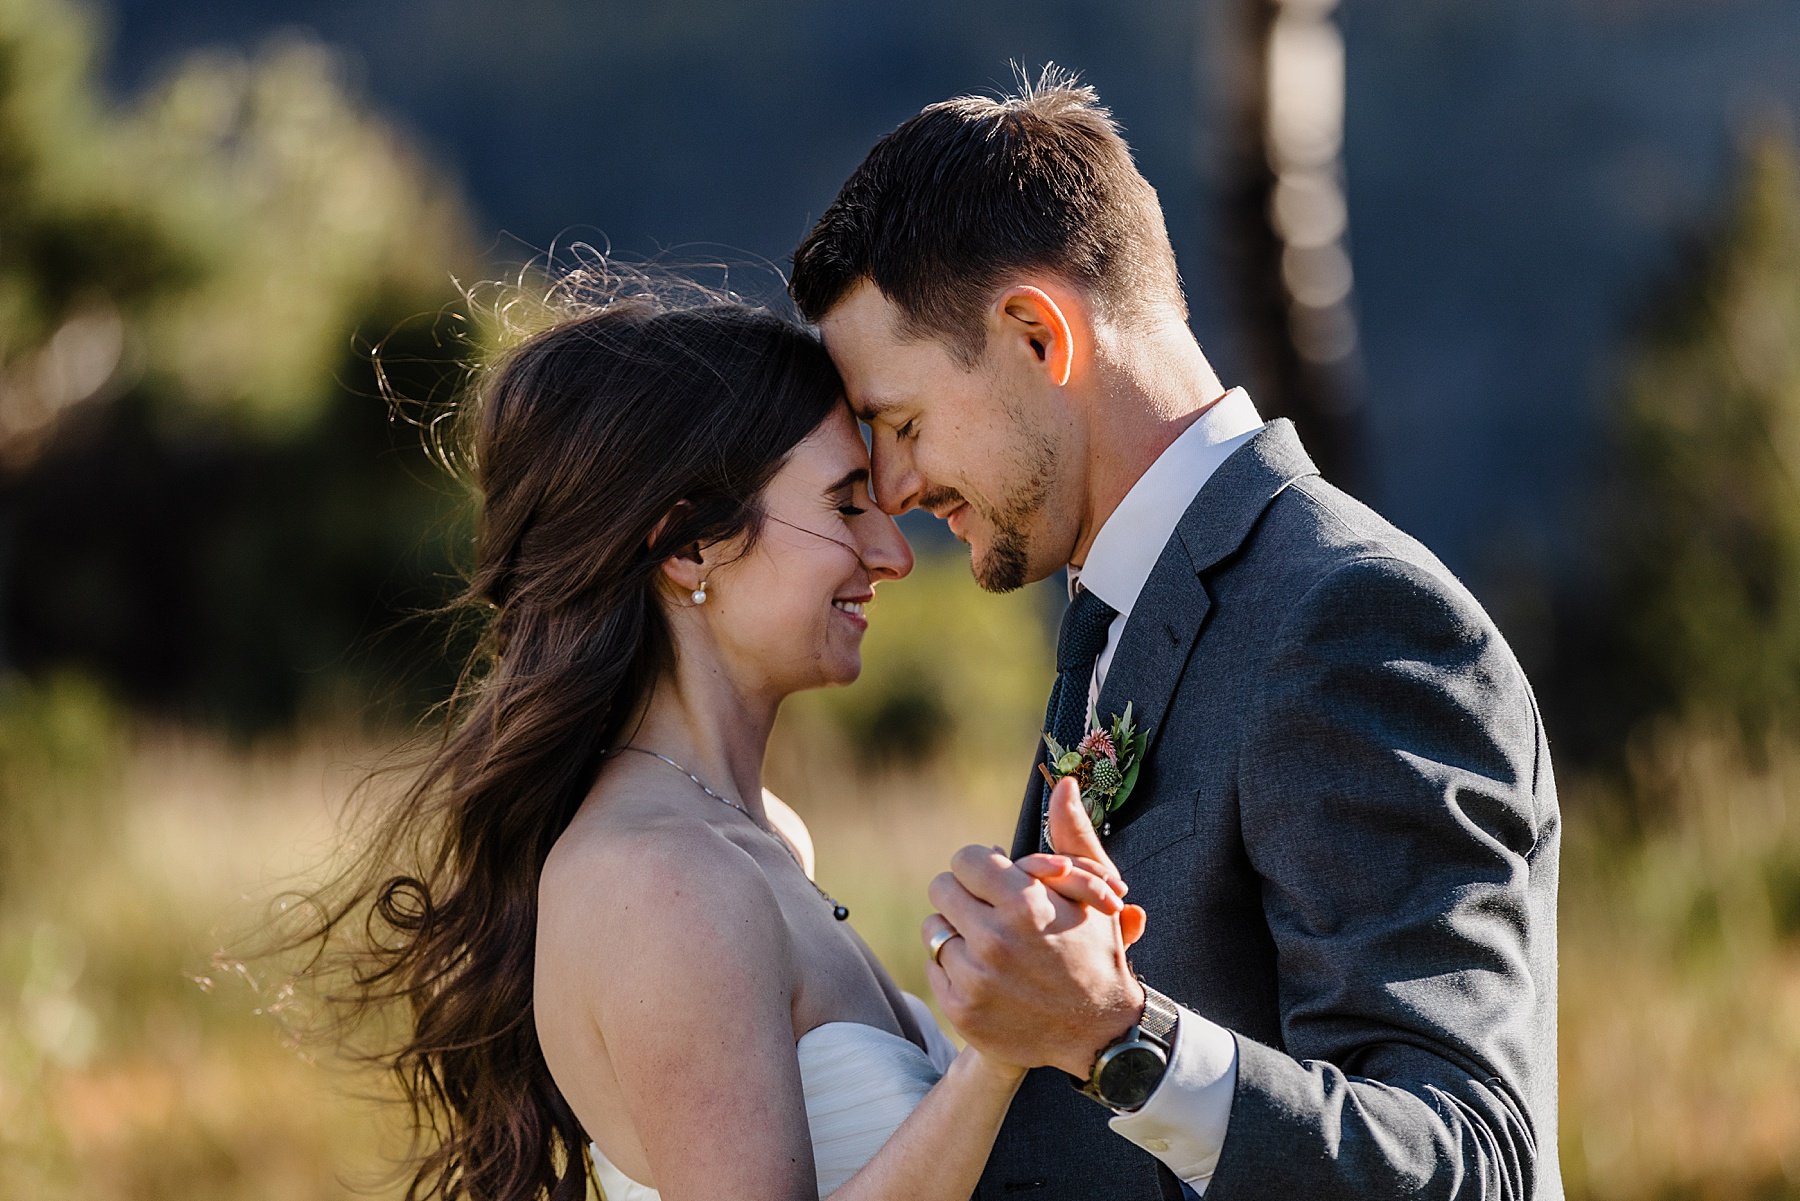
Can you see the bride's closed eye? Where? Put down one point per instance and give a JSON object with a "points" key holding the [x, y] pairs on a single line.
{"points": [[846, 501]]}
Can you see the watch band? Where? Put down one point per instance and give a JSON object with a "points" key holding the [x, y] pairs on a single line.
{"points": [[1160, 1017]]}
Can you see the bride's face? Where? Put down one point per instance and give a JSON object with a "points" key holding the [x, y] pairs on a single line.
{"points": [[789, 614]]}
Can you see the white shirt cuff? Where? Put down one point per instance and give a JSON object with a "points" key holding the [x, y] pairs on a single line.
{"points": [[1183, 1123]]}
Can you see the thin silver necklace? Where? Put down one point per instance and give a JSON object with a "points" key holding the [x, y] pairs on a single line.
{"points": [[840, 912]]}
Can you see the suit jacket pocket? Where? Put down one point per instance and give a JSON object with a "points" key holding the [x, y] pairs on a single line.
{"points": [[1166, 817]]}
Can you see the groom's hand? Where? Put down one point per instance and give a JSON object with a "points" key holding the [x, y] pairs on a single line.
{"points": [[1035, 979], [1072, 830]]}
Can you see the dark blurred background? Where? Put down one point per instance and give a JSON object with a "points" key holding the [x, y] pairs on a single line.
{"points": [[1528, 277]]}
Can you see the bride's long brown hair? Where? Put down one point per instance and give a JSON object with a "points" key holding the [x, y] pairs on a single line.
{"points": [[578, 442]]}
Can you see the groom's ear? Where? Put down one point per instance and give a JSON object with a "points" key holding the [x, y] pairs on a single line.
{"points": [[1037, 319]]}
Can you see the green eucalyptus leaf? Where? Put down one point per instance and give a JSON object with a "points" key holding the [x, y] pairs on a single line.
{"points": [[1131, 775]]}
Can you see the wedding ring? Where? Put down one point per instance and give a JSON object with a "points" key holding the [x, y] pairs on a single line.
{"points": [[937, 941]]}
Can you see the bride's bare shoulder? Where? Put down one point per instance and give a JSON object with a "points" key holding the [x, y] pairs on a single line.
{"points": [[654, 886], [658, 941]]}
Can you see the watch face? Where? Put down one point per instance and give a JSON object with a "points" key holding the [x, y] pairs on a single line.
{"points": [[1131, 1075]]}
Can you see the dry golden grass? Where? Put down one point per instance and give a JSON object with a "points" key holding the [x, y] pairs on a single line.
{"points": [[1681, 980], [131, 1069]]}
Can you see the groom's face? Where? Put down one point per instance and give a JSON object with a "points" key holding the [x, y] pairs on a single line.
{"points": [[977, 445]]}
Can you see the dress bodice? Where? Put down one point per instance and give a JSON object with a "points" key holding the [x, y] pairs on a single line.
{"points": [[860, 1083]]}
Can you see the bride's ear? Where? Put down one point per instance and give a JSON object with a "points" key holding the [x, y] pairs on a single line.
{"points": [[688, 569]]}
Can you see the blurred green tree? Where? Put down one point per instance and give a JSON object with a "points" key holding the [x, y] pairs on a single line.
{"points": [[1706, 612], [951, 675], [202, 498], [81, 254]]}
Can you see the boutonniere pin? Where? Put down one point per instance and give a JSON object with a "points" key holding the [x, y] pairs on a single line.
{"points": [[1105, 763]]}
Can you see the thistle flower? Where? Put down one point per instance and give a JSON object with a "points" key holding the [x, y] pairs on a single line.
{"points": [[1099, 742]]}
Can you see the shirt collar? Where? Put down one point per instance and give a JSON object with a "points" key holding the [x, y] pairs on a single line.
{"points": [[1132, 539]]}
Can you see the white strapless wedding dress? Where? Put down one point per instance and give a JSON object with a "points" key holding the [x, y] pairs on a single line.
{"points": [[860, 1083]]}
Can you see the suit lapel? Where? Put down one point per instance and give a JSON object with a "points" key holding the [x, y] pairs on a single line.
{"points": [[1170, 613], [1153, 650], [1227, 508]]}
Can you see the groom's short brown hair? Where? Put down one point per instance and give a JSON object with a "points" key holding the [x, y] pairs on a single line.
{"points": [[973, 189]]}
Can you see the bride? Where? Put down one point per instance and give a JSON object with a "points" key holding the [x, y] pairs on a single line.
{"points": [[612, 951]]}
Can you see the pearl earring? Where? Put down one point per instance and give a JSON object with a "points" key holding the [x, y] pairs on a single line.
{"points": [[699, 594]]}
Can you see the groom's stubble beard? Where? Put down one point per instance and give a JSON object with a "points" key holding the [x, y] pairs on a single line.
{"points": [[1006, 566]]}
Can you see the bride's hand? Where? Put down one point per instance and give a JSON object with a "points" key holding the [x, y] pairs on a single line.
{"points": [[1078, 878], [1088, 882]]}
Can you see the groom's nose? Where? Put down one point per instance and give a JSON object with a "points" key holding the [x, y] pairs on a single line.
{"points": [[896, 482], [886, 553]]}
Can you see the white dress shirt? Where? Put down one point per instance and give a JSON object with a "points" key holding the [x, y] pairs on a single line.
{"points": [[1183, 1123]]}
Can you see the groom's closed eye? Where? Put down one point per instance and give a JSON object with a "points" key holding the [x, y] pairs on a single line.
{"points": [[873, 411]]}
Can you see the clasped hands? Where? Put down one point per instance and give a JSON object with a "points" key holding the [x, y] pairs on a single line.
{"points": [[1035, 974]]}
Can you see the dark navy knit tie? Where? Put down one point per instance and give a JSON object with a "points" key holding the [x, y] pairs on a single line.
{"points": [[1083, 636]]}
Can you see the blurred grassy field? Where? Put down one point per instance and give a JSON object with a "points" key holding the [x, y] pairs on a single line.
{"points": [[133, 1069]]}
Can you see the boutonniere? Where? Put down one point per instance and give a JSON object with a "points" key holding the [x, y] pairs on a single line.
{"points": [[1105, 763]]}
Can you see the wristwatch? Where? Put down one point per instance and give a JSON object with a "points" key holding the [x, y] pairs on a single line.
{"points": [[1128, 1070]]}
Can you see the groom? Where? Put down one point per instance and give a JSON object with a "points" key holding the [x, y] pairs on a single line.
{"points": [[1345, 830]]}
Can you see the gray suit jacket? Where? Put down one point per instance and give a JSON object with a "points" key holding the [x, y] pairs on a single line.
{"points": [[1346, 835]]}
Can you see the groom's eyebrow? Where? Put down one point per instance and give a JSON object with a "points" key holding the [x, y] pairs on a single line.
{"points": [[869, 410]]}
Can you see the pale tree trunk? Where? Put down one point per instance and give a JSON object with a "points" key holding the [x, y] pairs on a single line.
{"points": [[1286, 232]]}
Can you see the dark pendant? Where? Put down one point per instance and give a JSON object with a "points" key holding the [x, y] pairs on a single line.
{"points": [[840, 913]]}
